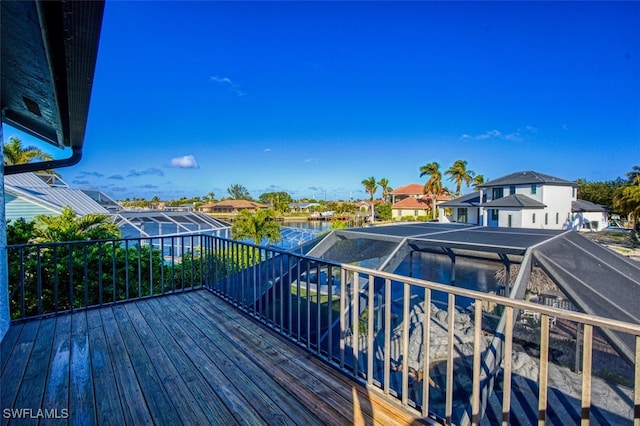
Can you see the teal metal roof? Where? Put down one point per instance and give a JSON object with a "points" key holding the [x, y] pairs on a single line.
{"points": [[31, 189]]}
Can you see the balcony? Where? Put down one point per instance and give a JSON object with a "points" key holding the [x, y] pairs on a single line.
{"points": [[185, 358], [199, 329]]}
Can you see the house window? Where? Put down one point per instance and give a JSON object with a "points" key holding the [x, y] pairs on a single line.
{"points": [[573, 192], [533, 218], [462, 215], [546, 218], [509, 219], [416, 213], [512, 189], [498, 193], [534, 189], [557, 218], [494, 214]]}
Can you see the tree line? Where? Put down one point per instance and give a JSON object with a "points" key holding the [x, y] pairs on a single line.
{"points": [[621, 196]]}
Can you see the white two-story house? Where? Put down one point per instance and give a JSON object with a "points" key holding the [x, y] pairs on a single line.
{"points": [[519, 200]]}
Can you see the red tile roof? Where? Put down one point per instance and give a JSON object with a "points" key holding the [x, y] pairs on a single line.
{"points": [[240, 204], [418, 203], [413, 203], [411, 189]]}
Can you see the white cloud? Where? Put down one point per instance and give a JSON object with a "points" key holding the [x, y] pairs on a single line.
{"points": [[229, 84], [186, 162], [267, 150], [493, 134]]}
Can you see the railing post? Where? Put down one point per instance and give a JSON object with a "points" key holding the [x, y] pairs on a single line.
{"points": [[508, 348], [578, 347], [39, 279], [370, 349], [355, 319], [387, 335], [477, 347], [343, 326], [426, 363], [406, 305], [586, 376], [544, 370], [636, 385], [451, 309]]}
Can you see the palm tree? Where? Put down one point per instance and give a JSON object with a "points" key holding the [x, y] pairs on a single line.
{"points": [[256, 226], [433, 186], [209, 198], [386, 189], [370, 187], [458, 173], [627, 201], [478, 180], [627, 198], [238, 192], [633, 177], [15, 153], [69, 227]]}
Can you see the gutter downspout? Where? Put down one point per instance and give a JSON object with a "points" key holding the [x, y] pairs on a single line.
{"points": [[76, 156]]}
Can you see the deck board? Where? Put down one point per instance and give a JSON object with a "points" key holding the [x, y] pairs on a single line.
{"points": [[170, 378], [7, 343], [157, 399], [211, 404], [56, 392], [312, 380], [268, 397], [177, 359], [108, 405], [16, 365], [132, 400], [239, 408], [283, 367], [38, 361], [81, 397]]}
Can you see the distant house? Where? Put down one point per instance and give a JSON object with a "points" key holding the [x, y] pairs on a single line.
{"points": [[589, 216], [413, 190], [409, 200], [302, 207], [520, 200], [181, 208], [232, 207], [28, 195], [465, 209], [411, 207]]}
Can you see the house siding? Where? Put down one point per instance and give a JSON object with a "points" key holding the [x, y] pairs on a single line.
{"points": [[596, 221], [558, 200], [398, 213], [472, 216], [19, 207], [518, 219]]}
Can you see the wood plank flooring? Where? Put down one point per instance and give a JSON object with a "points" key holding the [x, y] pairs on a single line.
{"points": [[181, 359]]}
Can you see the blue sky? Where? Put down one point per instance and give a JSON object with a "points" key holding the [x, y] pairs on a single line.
{"points": [[312, 98]]}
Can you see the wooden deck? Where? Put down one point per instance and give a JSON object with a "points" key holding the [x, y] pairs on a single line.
{"points": [[180, 359]]}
